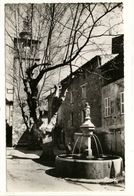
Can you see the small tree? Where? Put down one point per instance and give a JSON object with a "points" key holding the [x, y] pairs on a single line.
{"points": [[56, 36]]}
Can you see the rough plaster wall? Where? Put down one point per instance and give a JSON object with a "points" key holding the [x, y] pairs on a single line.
{"points": [[113, 142], [94, 99], [113, 126]]}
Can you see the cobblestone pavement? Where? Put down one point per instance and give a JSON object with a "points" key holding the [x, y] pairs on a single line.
{"points": [[29, 175]]}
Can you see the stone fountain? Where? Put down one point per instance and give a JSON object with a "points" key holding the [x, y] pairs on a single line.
{"points": [[85, 164]]}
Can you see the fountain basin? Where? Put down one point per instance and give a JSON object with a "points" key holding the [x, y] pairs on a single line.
{"points": [[96, 168]]}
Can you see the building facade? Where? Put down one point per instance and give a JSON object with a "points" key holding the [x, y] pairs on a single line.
{"points": [[113, 100], [102, 86], [85, 86]]}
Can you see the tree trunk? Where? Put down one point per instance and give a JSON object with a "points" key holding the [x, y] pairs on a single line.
{"points": [[34, 118]]}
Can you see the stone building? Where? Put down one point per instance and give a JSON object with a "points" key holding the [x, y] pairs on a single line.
{"points": [[113, 99], [85, 86], [102, 86]]}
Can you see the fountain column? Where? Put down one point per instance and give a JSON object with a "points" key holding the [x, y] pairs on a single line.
{"points": [[90, 155], [87, 129]]}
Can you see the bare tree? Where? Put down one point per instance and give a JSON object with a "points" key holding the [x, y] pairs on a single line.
{"points": [[46, 37]]}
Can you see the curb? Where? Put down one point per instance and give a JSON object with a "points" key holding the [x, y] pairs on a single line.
{"points": [[98, 181]]}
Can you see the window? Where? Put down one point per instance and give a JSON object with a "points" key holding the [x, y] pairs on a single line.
{"points": [[122, 102], [107, 107], [84, 91]]}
